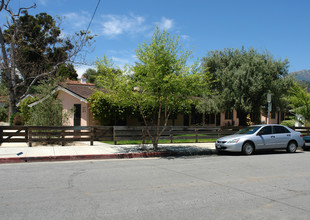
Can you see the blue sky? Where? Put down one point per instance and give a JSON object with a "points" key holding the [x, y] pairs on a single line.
{"points": [[280, 26]]}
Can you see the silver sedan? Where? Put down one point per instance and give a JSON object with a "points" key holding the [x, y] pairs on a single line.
{"points": [[258, 137]]}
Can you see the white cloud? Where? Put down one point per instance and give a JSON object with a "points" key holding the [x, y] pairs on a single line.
{"points": [[43, 2], [81, 69], [185, 37], [77, 20], [114, 25], [166, 23]]}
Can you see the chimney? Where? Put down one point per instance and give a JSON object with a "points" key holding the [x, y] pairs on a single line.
{"points": [[83, 80]]}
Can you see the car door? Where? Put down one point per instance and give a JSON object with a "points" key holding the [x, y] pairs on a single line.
{"points": [[282, 136], [267, 138]]}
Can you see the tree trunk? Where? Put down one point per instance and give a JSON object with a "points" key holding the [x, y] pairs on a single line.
{"points": [[155, 146], [242, 117], [13, 108], [256, 115]]}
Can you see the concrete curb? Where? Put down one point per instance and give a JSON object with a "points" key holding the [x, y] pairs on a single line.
{"points": [[102, 156]]}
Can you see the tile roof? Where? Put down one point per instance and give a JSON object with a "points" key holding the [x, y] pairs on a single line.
{"points": [[83, 90]]}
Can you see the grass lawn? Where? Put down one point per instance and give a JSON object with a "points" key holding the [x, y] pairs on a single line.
{"points": [[211, 140]]}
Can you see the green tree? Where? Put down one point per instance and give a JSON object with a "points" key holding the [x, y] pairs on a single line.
{"points": [[32, 48], [163, 83], [299, 99], [48, 109], [90, 74], [242, 79], [108, 105], [108, 76], [107, 110], [67, 71]]}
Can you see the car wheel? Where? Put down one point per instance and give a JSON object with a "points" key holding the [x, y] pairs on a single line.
{"points": [[248, 148], [291, 147], [305, 148]]}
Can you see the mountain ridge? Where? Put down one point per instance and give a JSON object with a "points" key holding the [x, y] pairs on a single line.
{"points": [[302, 75]]}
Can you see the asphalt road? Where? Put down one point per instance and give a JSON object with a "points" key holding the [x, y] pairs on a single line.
{"points": [[263, 186]]}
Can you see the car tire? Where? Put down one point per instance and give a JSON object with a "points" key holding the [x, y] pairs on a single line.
{"points": [[305, 148], [291, 147], [248, 148]]}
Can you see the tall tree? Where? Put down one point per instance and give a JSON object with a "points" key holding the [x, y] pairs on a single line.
{"points": [[244, 77], [90, 74], [299, 100], [67, 71], [108, 75], [164, 82], [108, 105], [32, 48]]}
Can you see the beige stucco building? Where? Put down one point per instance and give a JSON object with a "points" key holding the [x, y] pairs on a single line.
{"points": [[74, 98]]}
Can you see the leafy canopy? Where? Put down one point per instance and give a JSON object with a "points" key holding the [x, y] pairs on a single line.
{"points": [[299, 100], [244, 77]]}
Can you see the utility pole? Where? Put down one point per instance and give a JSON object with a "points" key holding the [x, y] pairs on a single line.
{"points": [[269, 107]]}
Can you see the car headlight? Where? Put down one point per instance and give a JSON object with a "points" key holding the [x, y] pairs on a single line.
{"points": [[233, 141]]}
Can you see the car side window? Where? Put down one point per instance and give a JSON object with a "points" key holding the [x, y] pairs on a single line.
{"points": [[280, 130], [265, 130]]}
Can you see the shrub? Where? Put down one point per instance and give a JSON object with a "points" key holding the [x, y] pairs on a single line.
{"points": [[3, 113], [17, 120], [288, 123]]}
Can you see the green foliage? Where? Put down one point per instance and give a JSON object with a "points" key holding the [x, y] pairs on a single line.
{"points": [[16, 119], [244, 77], [25, 111], [162, 75], [3, 113], [299, 99], [164, 83], [106, 110], [90, 75], [67, 71], [32, 49], [35, 56], [4, 108], [47, 111], [288, 123], [3, 90], [108, 76]]}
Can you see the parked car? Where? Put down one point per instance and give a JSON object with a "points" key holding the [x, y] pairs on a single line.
{"points": [[307, 143], [258, 137]]}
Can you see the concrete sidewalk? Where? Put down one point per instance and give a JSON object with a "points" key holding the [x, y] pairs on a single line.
{"points": [[20, 152]]}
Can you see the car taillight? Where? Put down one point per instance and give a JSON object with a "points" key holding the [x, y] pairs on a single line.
{"points": [[301, 135]]}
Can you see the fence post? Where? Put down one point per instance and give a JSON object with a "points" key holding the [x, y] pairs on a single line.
{"points": [[171, 135], [29, 137], [143, 137], [26, 134], [196, 134], [1, 136], [63, 137], [114, 136], [92, 129]]}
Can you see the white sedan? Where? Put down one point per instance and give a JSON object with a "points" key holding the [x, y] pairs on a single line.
{"points": [[258, 137]]}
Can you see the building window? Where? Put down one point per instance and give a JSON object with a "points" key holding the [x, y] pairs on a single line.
{"points": [[210, 119], [229, 115], [196, 117]]}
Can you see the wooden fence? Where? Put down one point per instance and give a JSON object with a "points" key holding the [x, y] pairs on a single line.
{"points": [[55, 135], [171, 133], [65, 134]]}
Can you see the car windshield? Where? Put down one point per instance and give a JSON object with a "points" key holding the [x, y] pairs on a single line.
{"points": [[249, 130]]}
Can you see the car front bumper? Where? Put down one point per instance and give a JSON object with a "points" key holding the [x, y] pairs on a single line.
{"points": [[233, 147]]}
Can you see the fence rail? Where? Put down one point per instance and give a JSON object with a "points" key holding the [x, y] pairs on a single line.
{"points": [[65, 134]]}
